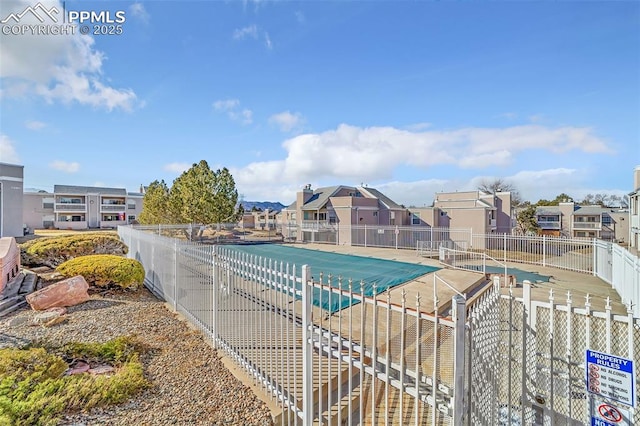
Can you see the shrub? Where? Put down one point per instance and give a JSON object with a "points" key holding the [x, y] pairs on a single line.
{"points": [[104, 270], [35, 391], [55, 250]]}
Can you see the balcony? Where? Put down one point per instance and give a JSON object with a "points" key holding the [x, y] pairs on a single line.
{"points": [[635, 222], [113, 207], [587, 225], [549, 224], [70, 207]]}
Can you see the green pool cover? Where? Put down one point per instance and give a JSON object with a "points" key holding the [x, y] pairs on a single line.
{"points": [[383, 273], [519, 273]]}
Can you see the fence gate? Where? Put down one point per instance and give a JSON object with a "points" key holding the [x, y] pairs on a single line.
{"points": [[526, 363]]}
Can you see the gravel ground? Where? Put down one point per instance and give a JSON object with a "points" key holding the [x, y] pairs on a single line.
{"points": [[190, 385]]}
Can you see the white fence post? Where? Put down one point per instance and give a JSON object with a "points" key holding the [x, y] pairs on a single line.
{"points": [[214, 296], [175, 275], [459, 319], [307, 348]]}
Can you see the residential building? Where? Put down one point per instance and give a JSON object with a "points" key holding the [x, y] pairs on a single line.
{"points": [[265, 219], [322, 208], [482, 212], [634, 210], [81, 207], [11, 189], [571, 220]]}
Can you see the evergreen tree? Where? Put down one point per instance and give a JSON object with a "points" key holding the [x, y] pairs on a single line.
{"points": [[154, 204]]}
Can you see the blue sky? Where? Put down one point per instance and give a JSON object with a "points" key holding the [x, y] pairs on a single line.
{"points": [[408, 97]]}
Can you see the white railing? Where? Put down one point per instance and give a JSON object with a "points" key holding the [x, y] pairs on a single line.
{"points": [[70, 207], [527, 356], [474, 262], [587, 225], [374, 360], [386, 358], [549, 224], [113, 207]]}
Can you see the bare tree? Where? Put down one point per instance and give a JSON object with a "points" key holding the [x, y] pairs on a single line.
{"points": [[501, 185]]}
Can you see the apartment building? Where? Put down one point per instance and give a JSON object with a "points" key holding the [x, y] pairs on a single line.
{"points": [[571, 220], [81, 207], [634, 211], [326, 207], [265, 219], [11, 189], [482, 212]]}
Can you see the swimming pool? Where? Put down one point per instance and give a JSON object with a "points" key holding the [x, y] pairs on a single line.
{"points": [[364, 271]]}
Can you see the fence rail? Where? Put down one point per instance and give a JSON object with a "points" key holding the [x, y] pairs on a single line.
{"points": [[375, 360], [504, 360]]}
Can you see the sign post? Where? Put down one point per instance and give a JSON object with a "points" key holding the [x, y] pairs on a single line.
{"points": [[611, 377]]}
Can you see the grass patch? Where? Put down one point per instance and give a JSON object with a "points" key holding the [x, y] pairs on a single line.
{"points": [[34, 389]]}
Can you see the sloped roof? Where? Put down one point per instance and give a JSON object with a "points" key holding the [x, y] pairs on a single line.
{"points": [[320, 197], [72, 189], [591, 210], [550, 210], [388, 202]]}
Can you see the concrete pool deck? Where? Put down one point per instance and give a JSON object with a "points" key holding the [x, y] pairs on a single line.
{"points": [[561, 282]]}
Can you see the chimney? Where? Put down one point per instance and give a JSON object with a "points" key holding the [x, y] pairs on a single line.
{"points": [[304, 195], [636, 178]]}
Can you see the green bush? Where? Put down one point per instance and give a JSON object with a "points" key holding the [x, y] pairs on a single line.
{"points": [[55, 250], [104, 270], [35, 391]]}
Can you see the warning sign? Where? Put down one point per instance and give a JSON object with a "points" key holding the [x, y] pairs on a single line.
{"points": [[610, 376], [605, 414]]}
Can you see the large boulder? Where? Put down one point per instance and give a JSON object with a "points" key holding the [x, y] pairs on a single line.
{"points": [[69, 292]]}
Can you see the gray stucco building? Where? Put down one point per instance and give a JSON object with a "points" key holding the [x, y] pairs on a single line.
{"points": [[11, 189]]}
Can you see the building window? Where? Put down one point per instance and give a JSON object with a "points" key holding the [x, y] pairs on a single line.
{"points": [[70, 200], [112, 202], [131, 205], [70, 218], [415, 219], [132, 218], [375, 214], [110, 217]]}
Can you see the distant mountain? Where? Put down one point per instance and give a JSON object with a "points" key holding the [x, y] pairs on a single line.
{"points": [[262, 205]]}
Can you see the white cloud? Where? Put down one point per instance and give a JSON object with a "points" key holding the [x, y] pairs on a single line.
{"points": [[232, 108], [65, 68], [418, 193], [35, 125], [267, 41], [242, 33], [355, 154], [177, 168], [138, 10], [252, 32], [63, 166], [8, 152], [287, 121], [226, 104]]}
